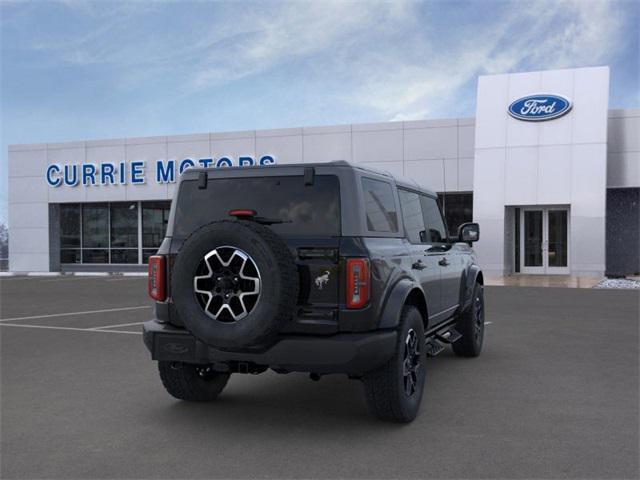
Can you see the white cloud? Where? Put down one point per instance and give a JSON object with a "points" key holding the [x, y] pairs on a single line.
{"points": [[293, 31], [389, 57], [526, 36]]}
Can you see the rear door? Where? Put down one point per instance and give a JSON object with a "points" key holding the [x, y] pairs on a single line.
{"points": [[424, 266], [441, 250]]}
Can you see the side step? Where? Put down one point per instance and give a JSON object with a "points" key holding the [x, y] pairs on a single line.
{"points": [[433, 347], [449, 336], [434, 344]]}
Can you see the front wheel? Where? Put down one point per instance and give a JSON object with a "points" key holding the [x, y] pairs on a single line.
{"points": [[194, 383], [394, 391], [471, 326]]}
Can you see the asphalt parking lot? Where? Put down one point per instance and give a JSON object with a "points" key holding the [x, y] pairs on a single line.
{"points": [[554, 395]]}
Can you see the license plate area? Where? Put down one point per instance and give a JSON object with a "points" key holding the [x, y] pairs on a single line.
{"points": [[178, 348]]}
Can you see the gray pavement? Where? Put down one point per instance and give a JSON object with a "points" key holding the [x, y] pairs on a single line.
{"points": [[554, 395]]}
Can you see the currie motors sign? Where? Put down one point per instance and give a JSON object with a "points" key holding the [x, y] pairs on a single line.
{"points": [[135, 172], [540, 107]]}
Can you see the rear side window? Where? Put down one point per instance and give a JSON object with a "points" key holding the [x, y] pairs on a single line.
{"points": [[433, 220], [380, 207], [304, 210], [412, 216]]}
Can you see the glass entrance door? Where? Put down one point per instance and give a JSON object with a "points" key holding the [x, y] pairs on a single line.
{"points": [[544, 240]]}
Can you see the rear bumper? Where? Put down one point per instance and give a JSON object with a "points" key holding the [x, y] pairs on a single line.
{"points": [[351, 353]]}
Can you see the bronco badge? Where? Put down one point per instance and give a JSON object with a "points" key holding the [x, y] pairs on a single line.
{"points": [[322, 280]]}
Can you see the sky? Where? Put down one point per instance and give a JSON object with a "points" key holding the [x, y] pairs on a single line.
{"points": [[75, 70]]}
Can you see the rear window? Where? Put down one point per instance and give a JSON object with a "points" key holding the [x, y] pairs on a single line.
{"points": [[304, 209]]}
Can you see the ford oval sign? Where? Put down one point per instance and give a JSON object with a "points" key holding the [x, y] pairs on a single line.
{"points": [[536, 108]]}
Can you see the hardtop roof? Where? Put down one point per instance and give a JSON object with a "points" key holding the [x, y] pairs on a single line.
{"points": [[399, 181]]}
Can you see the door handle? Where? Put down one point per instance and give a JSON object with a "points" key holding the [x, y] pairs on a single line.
{"points": [[418, 265], [444, 262]]}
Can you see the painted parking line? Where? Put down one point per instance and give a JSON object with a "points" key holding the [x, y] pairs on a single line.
{"points": [[69, 279], [18, 279], [124, 279], [488, 323], [87, 312], [118, 325], [49, 327]]}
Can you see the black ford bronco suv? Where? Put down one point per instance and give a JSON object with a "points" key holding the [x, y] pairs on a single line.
{"points": [[320, 268]]}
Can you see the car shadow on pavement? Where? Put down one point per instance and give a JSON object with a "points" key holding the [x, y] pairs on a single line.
{"points": [[279, 403], [276, 402]]}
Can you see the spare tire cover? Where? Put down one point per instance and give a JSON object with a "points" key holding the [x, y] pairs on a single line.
{"points": [[234, 284]]}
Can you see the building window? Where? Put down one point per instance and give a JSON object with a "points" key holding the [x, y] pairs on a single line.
{"points": [[95, 233], [70, 234], [124, 232], [155, 216], [116, 233], [457, 208]]}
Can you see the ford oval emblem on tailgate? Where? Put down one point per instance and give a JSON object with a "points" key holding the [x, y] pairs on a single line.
{"points": [[536, 108], [175, 348]]}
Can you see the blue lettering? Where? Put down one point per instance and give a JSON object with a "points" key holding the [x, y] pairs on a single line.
{"points": [[205, 162], [51, 180], [71, 175], [165, 174], [106, 173], [137, 172], [246, 161], [267, 160], [184, 164], [88, 174], [122, 170], [224, 162]]}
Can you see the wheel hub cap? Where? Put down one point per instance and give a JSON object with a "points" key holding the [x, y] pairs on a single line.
{"points": [[227, 284]]}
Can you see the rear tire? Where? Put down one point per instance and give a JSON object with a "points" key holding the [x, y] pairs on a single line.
{"points": [[471, 326], [394, 391], [193, 383]]}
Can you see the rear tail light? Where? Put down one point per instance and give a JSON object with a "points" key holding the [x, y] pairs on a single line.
{"points": [[358, 282], [157, 278]]}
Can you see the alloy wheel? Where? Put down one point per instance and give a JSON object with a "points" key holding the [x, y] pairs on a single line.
{"points": [[411, 362], [478, 314], [227, 284]]}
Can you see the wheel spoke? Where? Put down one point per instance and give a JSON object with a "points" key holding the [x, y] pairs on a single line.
{"points": [[225, 280]]}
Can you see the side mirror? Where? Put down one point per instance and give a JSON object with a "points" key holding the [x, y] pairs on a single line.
{"points": [[469, 232]]}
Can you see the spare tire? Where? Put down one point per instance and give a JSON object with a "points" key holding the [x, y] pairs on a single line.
{"points": [[234, 284]]}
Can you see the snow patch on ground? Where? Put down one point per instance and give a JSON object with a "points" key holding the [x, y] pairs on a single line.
{"points": [[618, 283]]}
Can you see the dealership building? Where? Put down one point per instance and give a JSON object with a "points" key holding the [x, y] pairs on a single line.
{"points": [[548, 170]]}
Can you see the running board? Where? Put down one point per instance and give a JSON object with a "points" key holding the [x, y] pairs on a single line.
{"points": [[434, 343], [433, 347], [449, 336]]}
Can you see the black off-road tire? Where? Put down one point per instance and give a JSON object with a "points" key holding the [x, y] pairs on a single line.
{"points": [[279, 284], [193, 383], [385, 388], [471, 326]]}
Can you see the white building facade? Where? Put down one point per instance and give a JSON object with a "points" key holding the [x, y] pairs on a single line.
{"points": [[554, 183]]}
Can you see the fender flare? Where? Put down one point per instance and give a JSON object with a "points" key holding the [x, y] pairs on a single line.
{"points": [[472, 275], [396, 299]]}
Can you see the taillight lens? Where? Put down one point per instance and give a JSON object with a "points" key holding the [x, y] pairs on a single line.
{"points": [[157, 278], [358, 282]]}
